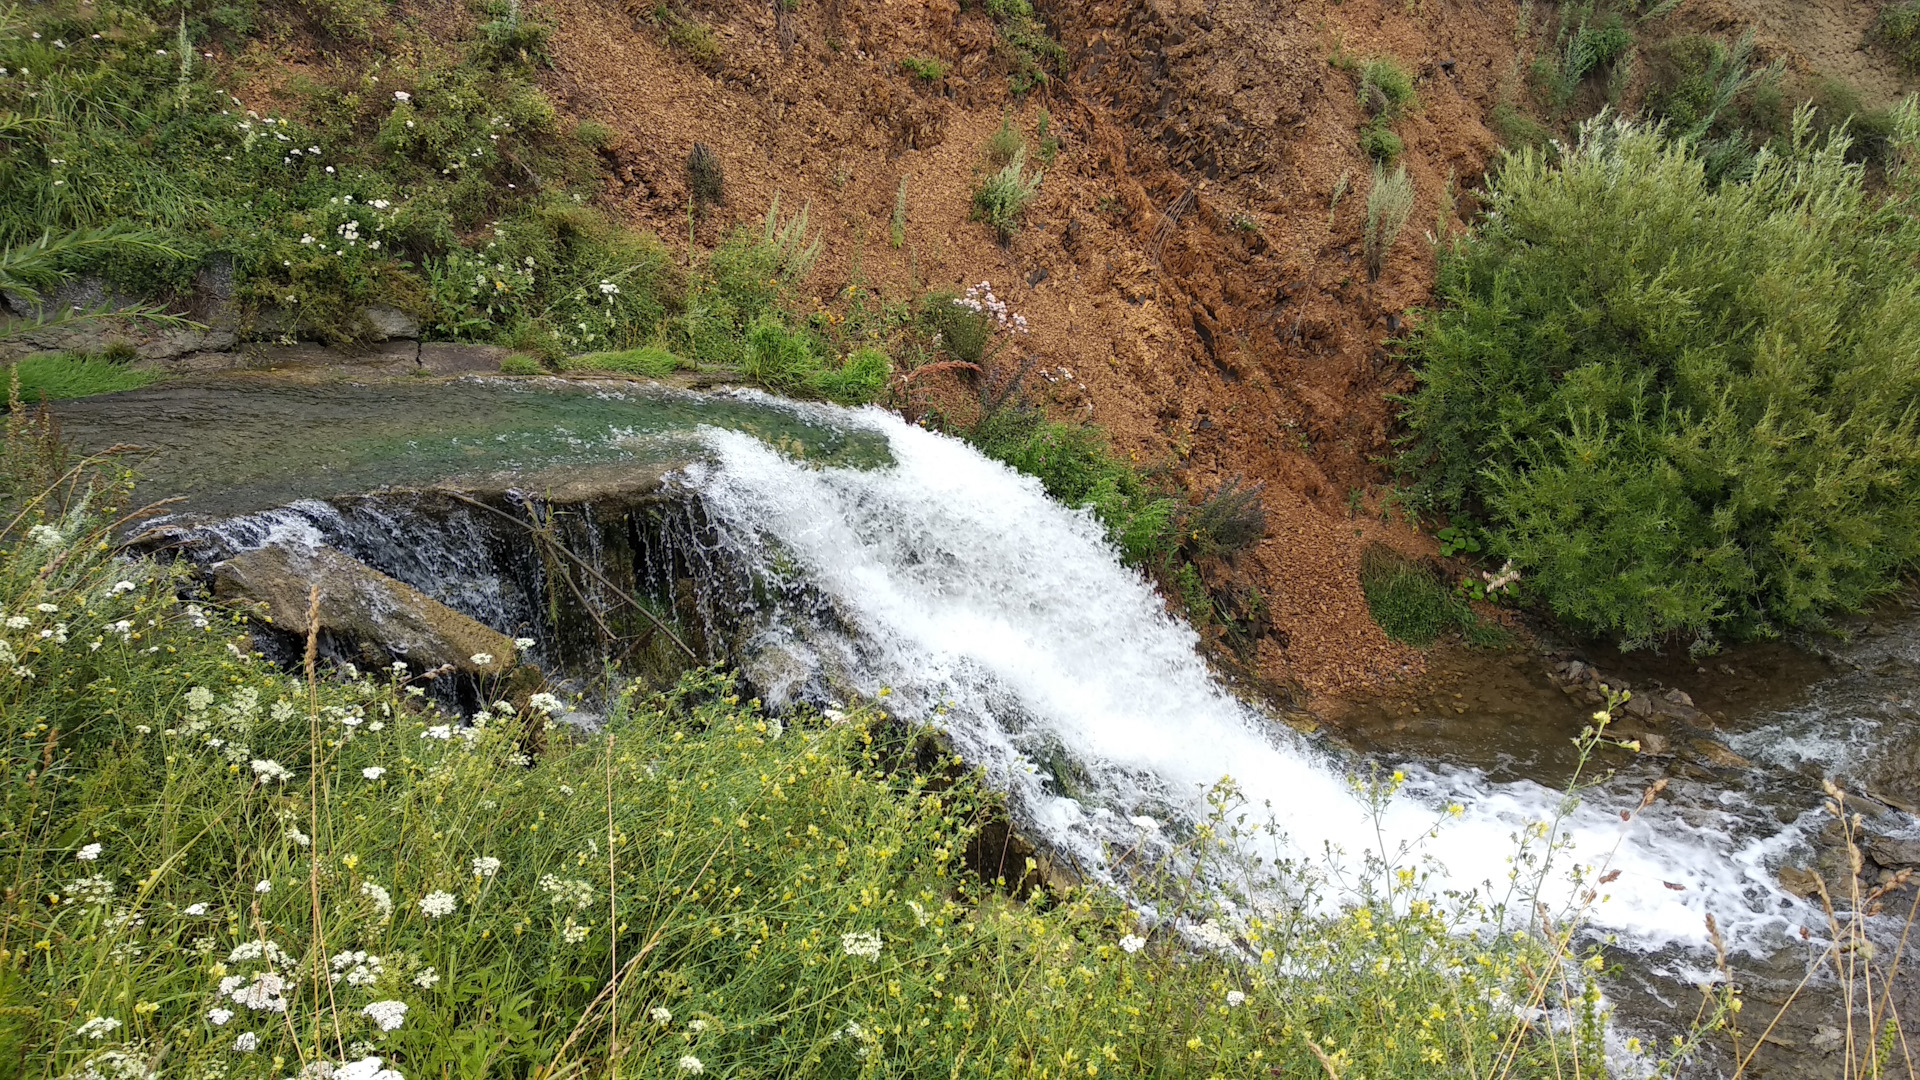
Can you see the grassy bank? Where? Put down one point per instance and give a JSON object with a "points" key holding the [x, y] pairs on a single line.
{"points": [[217, 866]]}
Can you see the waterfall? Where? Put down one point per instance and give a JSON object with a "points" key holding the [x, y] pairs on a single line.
{"points": [[1063, 676]]}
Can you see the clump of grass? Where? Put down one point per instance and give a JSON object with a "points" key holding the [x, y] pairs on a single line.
{"points": [[1389, 204], [593, 134], [1516, 129], [926, 68], [1381, 144], [650, 361], [1409, 601], [1386, 91], [56, 376], [1005, 142], [862, 378], [1001, 200], [520, 364], [689, 35]]}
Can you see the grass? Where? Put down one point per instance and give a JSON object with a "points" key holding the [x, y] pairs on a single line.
{"points": [[1002, 198], [1899, 29], [650, 361], [54, 376], [925, 68], [200, 841], [1414, 606], [1389, 204]]}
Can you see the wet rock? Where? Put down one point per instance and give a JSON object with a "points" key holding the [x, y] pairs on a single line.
{"points": [[1891, 853], [361, 606], [446, 358], [391, 358], [1799, 882], [1717, 755], [388, 323], [1678, 697], [210, 306], [1639, 706]]}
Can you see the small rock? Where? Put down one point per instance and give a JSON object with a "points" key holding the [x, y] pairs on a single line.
{"points": [[1718, 756], [1639, 706], [1801, 883], [388, 323], [1679, 697]]}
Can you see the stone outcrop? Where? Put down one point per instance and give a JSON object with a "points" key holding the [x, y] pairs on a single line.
{"points": [[361, 608]]}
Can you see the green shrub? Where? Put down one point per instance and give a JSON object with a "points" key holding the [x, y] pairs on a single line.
{"points": [[961, 331], [1005, 143], [690, 36], [924, 67], [1899, 28], [650, 361], [53, 376], [1001, 200], [778, 358], [510, 37], [1386, 90], [1389, 204], [1379, 142], [1682, 408], [1516, 129], [593, 134], [858, 381], [1075, 465], [520, 364]]}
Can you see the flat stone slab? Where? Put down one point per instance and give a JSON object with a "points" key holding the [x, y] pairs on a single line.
{"points": [[450, 358]]}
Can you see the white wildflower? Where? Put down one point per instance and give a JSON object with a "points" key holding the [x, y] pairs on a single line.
{"points": [[523, 642], [402, 96], [44, 536], [98, 1027], [18, 622], [865, 944], [486, 866], [382, 899], [695, 1027], [438, 903], [218, 1016], [438, 731], [46, 609], [122, 587], [263, 994], [481, 659], [1235, 999], [426, 979], [367, 1068], [373, 772], [659, 1014], [247, 1043], [263, 887], [194, 909], [691, 1064], [270, 771], [88, 853], [199, 698], [545, 703], [387, 1014], [1133, 943]]}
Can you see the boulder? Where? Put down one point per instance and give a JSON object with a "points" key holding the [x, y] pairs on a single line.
{"points": [[361, 605], [1892, 853]]}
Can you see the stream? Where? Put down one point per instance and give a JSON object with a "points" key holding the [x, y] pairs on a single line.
{"points": [[830, 552]]}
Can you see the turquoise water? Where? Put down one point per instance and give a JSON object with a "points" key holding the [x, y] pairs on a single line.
{"points": [[234, 446]]}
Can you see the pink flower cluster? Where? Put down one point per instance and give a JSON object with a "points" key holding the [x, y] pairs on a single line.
{"points": [[980, 300]]}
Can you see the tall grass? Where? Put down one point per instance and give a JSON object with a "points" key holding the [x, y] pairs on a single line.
{"points": [[221, 866], [52, 376]]}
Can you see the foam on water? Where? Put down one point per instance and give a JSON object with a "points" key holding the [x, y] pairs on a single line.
{"points": [[1071, 685]]}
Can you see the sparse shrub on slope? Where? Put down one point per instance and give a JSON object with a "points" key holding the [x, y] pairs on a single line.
{"points": [[1682, 408]]}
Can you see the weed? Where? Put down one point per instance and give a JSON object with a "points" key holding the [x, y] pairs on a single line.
{"points": [[1389, 204], [1386, 90], [511, 37], [689, 35], [1005, 143], [1516, 129], [1586, 43], [860, 379], [1381, 144], [926, 68], [1408, 600], [1697, 80], [1339, 192], [1224, 523], [650, 361], [520, 364], [1049, 142], [53, 376], [1001, 200], [1024, 42]]}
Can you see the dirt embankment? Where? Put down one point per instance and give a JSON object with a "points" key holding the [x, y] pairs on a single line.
{"points": [[1191, 283]]}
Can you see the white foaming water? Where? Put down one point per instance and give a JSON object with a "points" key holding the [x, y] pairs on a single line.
{"points": [[965, 584]]}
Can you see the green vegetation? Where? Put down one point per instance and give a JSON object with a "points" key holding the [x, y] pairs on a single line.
{"points": [[689, 35], [254, 873], [1681, 407], [520, 364], [1899, 28], [51, 376], [1389, 204], [1587, 42], [706, 180], [1386, 91], [1411, 602], [927, 68], [1028, 49], [650, 361], [1005, 143], [1001, 199], [897, 228]]}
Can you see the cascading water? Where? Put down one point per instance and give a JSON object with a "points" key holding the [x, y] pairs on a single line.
{"points": [[1067, 680]]}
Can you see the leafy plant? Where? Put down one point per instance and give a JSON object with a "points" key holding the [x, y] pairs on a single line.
{"points": [[1899, 28], [1389, 204], [1455, 540], [1386, 89], [689, 35], [1001, 200], [927, 68], [1379, 142], [859, 380], [1683, 408]]}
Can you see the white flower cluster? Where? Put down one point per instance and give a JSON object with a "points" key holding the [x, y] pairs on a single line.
{"points": [[438, 903], [271, 772], [486, 866], [367, 1068], [1132, 943], [382, 899], [563, 891], [981, 301], [1504, 579], [357, 968], [864, 944], [388, 1015]]}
